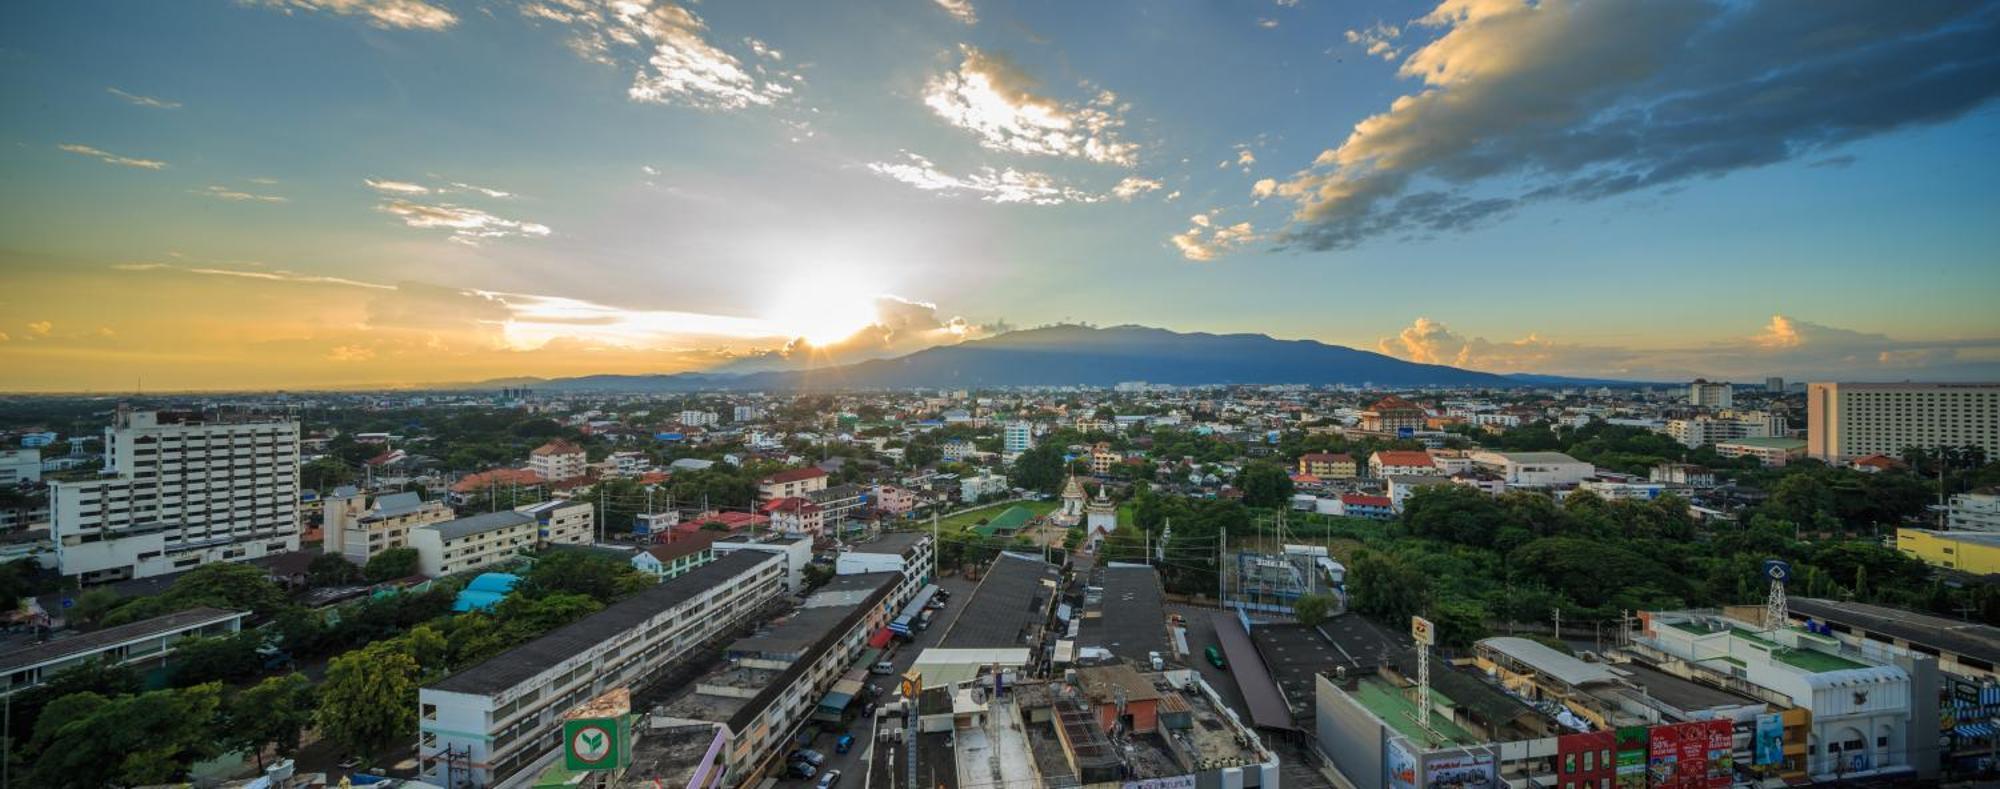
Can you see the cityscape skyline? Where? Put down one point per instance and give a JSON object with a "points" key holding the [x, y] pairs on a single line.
{"points": [[303, 194]]}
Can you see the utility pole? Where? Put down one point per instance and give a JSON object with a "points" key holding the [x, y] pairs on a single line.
{"points": [[1559, 623], [1221, 577]]}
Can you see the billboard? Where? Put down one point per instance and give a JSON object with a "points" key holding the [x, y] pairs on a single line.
{"points": [[1401, 764], [1770, 739], [1461, 770], [1692, 755], [595, 744], [1422, 630], [1632, 751]]}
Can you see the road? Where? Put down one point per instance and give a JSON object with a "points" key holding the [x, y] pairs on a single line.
{"points": [[853, 765]]}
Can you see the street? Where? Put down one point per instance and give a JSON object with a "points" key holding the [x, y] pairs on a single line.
{"points": [[853, 765]]}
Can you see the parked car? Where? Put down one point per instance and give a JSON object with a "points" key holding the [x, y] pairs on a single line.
{"points": [[844, 744], [809, 756], [803, 770], [1214, 654], [829, 779], [883, 667]]}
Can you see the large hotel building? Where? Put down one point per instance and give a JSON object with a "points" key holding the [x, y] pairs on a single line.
{"points": [[179, 490], [1851, 420]]}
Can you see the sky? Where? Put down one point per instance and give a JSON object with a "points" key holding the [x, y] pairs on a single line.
{"points": [[356, 193]]}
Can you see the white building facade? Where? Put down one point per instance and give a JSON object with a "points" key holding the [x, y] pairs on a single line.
{"points": [[177, 492], [1850, 420]]}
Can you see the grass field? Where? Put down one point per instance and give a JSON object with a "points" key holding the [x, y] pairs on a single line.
{"points": [[965, 520]]}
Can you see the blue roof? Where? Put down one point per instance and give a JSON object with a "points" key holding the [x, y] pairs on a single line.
{"points": [[485, 592]]}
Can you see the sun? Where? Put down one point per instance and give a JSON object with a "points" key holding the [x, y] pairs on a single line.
{"points": [[824, 307]]}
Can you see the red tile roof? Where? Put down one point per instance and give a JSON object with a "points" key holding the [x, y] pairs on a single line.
{"points": [[790, 504], [558, 447], [1358, 499], [1403, 457], [793, 475], [685, 545], [498, 476], [1326, 457]]}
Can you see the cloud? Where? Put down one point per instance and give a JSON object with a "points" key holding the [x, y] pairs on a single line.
{"points": [[108, 157], [145, 101], [387, 14], [668, 46], [40, 328], [994, 99], [1377, 40], [901, 326], [1782, 346], [495, 193], [387, 186], [1264, 187], [226, 193], [350, 353], [467, 225], [1564, 99], [960, 10], [1133, 186], [990, 184], [280, 275], [1205, 239], [1267, 23], [396, 187]]}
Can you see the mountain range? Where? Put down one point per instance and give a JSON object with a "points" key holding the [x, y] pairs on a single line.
{"points": [[1071, 355]]}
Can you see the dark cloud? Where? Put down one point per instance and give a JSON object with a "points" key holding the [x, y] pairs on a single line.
{"points": [[1572, 100]]}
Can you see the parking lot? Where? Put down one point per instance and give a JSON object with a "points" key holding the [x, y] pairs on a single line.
{"points": [[853, 764]]}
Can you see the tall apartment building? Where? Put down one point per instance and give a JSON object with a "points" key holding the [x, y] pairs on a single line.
{"points": [[559, 521], [179, 490], [472, 542], [1703, 430], [490, 722], [1774, 384], [1851, 420], [557, 460], [1019, 437], [693, 418], [20, 466], [1704, 394], [357, 529]]}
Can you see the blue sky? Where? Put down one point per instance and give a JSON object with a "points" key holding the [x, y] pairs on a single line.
{"points": [[402, 191]]}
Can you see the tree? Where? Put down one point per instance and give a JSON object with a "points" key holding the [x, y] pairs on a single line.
{"points": [[270, 713], [576, 572], [1266, 485], [97, 676], [1313, 609], [227, 659], [1388, 589], [230, 585], [526, 617], [331, 569], [95, 603], [392, 564], [151, 738], [1041, 468], [817, 575], [365, 702]]}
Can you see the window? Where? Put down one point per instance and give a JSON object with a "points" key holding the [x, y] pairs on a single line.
{"points": [[430, 711]]}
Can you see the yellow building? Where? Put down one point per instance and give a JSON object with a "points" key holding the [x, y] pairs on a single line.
{"points": [[1327, 466], [1967, 552]]}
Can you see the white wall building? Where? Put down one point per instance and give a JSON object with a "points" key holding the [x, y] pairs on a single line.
{"points": [[565, 522], [501, 715], [473, 542], [1974, 512], [357, 530], [795, 551], [1019, 437], [1703, 394], [178, 492], [699, 418], [971, 489], [558, 460], [1850, 420], [909, 553], [1535, 469], [18, 466]]}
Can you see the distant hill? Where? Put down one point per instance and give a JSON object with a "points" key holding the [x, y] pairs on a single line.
{"points": [[1083, 356]]}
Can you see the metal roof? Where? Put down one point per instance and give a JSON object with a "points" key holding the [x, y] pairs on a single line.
{"points": [[1965, 638], [484, 522], [86, 643], [1568, 670], [1267, 704]]}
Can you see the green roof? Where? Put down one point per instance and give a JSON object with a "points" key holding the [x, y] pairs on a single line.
{"points": [[1400, 712], [1010, 521]]}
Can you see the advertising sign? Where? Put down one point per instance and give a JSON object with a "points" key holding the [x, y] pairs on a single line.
{"points": [[1692, 755], [1422, 630], [1770, 739], [1722, 752], [1461, 770], [593, 744], [1632, 750], [1401, 764]]}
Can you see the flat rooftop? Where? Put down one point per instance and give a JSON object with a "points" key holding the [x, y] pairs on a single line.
{"points": [[894, 542], [517, 665], [1296, 654], [1680, 693], [793, 634], [666, 756], [1980, 641], [1131, 621], [1399, 711], [97, 640]]}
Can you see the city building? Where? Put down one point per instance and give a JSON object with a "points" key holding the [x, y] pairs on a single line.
{"points": [[20, 466], [1977, 553], [1395, 462], [1535, 469], [1704, 394], [1328, 465], [795, 516], [794, 551], [907, 552], [1849, 420], [356, 529], [791, 483], [1700, 431], [1103, 459], [675, 557], [484, 724], [562, 522], [1774, 384], [1975, 511], [1361, 505], [979, 486], [839, 504], [472, 542], [558, 460], [1402, 486], [1772, 452], [1688, 474], [1392, 414], [1018, 437], [179, 490], [146, 645], [1970, 650], [699, 418]]}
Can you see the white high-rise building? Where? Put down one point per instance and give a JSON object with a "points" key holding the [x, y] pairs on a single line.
{"points": [[1851, 420], [1018, 438], [1703, 394], [179, 491]]}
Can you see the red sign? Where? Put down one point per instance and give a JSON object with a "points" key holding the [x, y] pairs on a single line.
{"points": [[1586, 759], [1693, 755]]}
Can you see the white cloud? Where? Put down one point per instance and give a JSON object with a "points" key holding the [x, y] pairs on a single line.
{"points": [[1378, 40], [227, 193], [668, 46], [1133, 186], [144, 101], [1524, 101], [990, 184], [1267, 23], [1206, 239], [960, 10], [480, 189], [396, 187], [397, 14], [41, 328], [108, 157], [1264, 187], [466, 225], [996, 101]]}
